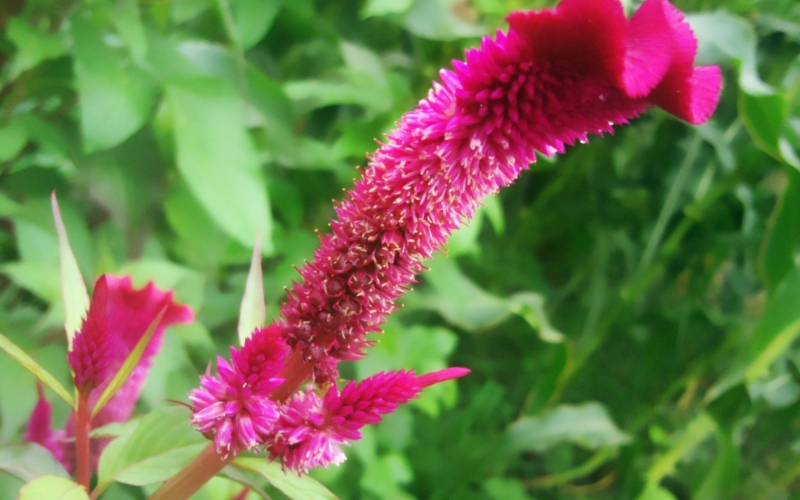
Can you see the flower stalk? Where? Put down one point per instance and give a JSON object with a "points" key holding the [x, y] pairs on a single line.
{"points": [[83, 426]]}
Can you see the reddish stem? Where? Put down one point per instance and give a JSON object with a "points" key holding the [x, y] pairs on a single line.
{"points": [[294, 373], [83, 425], [191, 478]]}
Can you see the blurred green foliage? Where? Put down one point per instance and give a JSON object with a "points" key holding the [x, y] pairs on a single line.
{"points": [[630, 310]]}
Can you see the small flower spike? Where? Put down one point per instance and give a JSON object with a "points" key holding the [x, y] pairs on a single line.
{"points": [[311, 429]]}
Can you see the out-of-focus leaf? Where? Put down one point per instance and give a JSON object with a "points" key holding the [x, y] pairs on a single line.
{"points": [[253, 19], [434, 19], [128, 22], [25, 461], [764, 116], [247, 478], [386, 474], [384, 7], [33, 46], [294, 486], [505, 489], [52, 488], [163, 442], [777, 328], [722, 482], [116, 97], [35, 368], [776, 256], [12, 139], [655, 492], [253, 312], [587, 425], [458, 299], [73, 289], [217, 159]]}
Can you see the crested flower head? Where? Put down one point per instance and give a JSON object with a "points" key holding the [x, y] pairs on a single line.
{"points": [[557, 75], [234, 406], [311, 429], [118, 317]]}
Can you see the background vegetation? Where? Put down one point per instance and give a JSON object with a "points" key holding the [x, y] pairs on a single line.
{"points": [[629, 309]]}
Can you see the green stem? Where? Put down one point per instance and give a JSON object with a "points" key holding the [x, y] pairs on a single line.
{"points": [[83, 425], [191, 478], [671, 203], [598, 459]]}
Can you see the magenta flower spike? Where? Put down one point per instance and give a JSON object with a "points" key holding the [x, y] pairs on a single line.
{"points": [[117, 318], [312, 429], [555, 77]]}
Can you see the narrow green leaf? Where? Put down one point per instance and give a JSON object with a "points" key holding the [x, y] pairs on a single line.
{"points": [[253, 312], [695, 433], [724, 478], [26, 461], [253, 19], [763, 117], [36, 369], [776, 256], [294, 486], [76, 299], [655, 492], [129, 365], [52, 488], [12, 139], [162, 443], [588, 425]]}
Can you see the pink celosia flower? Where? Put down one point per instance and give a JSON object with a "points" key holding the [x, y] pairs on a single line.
{"points": [[558, 75], [117, 318], [311, 429], [234, 406]]}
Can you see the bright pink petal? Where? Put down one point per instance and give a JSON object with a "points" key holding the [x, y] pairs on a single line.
{"points": [[648, 49]]}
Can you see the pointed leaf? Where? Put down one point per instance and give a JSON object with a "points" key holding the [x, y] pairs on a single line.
{"points": [[26, 461], [695, 433], [36, 369], [290, 484], [76, 299], [129, 365], [162, 443], [253, 312], [52, 488]]}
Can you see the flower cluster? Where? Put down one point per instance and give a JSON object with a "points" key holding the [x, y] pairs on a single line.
{"points": [[556, 76]]}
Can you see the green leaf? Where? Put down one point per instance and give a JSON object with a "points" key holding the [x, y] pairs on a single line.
{"points": [[116, 97], [161, 445], [724, 478], [73, 289], [655, 492], [587, 425], [128, 22], [52, 488], [36, 369], [776, 256], [294, 486], [33, 46], [384, 7], [764, 117], [433, 19], [128, 366], [12, 139], [505, 489], [26, 461], [253, 312], [217, 158], [253, 19], [458, 299]]}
